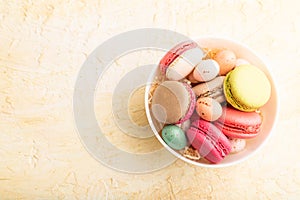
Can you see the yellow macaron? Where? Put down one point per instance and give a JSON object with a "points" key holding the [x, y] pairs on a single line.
{"points": [[247, 88]]}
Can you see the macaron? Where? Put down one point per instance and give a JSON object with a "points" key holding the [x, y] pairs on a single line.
{"points": [[181, 60], [208, 108], [174, 137], [247, 88], [226, 59], [213, 89], [210, 142], [206, 70], [173, 102], [238, 124]]}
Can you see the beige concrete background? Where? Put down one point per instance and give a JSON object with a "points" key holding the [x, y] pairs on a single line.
{"points": [[42, 47]]}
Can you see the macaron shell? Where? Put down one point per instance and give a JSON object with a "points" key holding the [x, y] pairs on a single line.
{"points": [[208, 140], [173, 53], [247, 88], [238, 124], [171, 102], [205, 148], [229, 97], [206, 70], [179, 69]]}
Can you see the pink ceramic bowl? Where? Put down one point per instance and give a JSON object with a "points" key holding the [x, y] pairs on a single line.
{"points": [[269, 110]]}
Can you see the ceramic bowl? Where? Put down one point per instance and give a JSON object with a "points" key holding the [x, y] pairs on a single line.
{"points": [[269, 110]]}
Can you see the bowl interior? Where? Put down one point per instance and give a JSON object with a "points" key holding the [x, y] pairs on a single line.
{"points": [[269, 110]]}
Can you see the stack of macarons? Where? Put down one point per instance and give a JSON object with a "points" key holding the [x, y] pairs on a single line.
{"points": [[208, 102]]}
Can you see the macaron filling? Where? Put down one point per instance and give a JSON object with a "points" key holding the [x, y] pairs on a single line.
{"points": [[212, 89], [214, 93], [239, 128], [238, 124]]}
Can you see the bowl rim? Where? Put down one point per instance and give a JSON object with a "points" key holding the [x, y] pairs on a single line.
{"points": [[260, 146]]}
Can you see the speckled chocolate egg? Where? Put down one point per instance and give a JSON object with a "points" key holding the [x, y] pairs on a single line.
{"points": [[226, 60], [206, 70], [208, 108], [191, 78], [174, 137], [237, 144], [241, 61]]}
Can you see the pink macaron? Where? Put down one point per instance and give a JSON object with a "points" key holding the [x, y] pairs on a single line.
{"points": [[210, 142], [173, 102], [180, 61], [238, 124]]}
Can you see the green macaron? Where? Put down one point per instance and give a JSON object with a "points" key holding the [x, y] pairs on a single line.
{"points": [[247, 88]]}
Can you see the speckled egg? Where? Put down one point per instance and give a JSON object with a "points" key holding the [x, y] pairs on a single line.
{"points": [[237, 145], [206, 70], [208, 109], [226, 60], [241, 61], [191, 78], [174, 137]]}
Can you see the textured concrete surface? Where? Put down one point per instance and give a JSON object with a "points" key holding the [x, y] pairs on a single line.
{"points": [[42, 47]]}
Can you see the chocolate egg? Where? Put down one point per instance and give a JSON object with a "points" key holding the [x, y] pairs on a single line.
{"points": [[237, 145], [226, 60], [208, 108], [241, 61], [174, 137], [191, 78], [206, 70]]}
